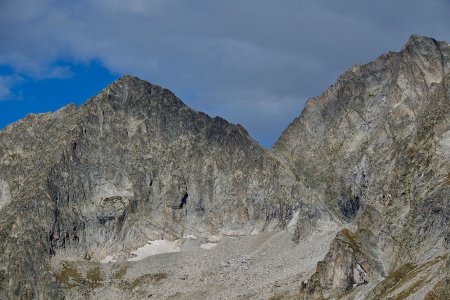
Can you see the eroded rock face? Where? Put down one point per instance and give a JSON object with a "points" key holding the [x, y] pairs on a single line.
{"points": [[141, 165], [375, 146], [350, 262], [132, 164]]}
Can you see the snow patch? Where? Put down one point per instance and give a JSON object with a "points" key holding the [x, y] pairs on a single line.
{"points": [[190, 236], [293, 222], [208, 246], [215, 238], [107, 259], [5, 194], [443, 148], [154, 248]]}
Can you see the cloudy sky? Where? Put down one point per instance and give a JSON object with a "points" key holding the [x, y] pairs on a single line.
{"points": [[253, 62]]}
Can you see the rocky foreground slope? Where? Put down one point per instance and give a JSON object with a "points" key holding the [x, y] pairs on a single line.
{"points": [[367, 163]]}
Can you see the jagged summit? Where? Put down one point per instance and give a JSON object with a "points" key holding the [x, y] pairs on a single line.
{"points": [[417, 40], [131, 93], [129, 81], [130, 78], [431, 57], [145, 100], [434, 55]]}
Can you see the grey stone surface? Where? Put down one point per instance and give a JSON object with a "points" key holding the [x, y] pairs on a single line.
{"points": [[375, 146], [130, 165]]}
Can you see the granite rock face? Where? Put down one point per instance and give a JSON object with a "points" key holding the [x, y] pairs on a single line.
{"points": [[370, 155], [375, 146], [132, 164]]}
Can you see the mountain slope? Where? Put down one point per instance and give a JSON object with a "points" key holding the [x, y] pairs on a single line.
{"points": [[130, 165], [375, 145]]}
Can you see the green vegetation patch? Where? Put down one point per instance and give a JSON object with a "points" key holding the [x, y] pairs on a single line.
{"points": [[120, 273], [406, 292], [142, 280], [353, 239], [440, 291], [94, 278], [282, 296], [69, 276], [399, 277]]}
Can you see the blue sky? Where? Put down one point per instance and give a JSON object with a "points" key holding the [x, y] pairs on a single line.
{"points": [[29, 95], [252, 62]]}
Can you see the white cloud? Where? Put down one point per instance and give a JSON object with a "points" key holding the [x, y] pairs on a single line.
{"points": [[6, 84], [4, 90], [56, 72]]}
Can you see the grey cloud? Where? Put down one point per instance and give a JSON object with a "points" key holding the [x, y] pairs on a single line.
{"points": [[219, 56]]}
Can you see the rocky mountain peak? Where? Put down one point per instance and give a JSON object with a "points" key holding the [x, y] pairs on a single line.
{"points": [[416, 39], [130, 93], [128, 82], [361, 144], [422, 42], [430, 55]]}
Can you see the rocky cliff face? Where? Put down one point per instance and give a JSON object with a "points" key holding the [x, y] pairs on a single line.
{"points": [[375, 145], [133, 164]]}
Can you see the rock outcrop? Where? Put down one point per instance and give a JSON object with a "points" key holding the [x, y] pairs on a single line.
{"points": [[370, 155], [375, 146], [132, 164]]}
